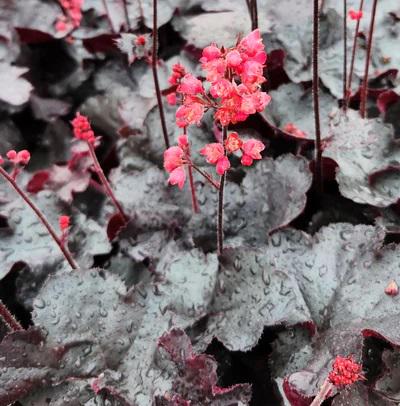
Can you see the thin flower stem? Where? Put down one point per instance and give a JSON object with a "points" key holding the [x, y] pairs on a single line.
{"points": [[315, 87], [41, 217], [326, 387], [345, 55], [10, 321], [108, 16], [154, 61], [255, 15], [364, 88], [220, 215], [105, 182], [126, 12], [353, 55], [195, 204], [206, 176]]}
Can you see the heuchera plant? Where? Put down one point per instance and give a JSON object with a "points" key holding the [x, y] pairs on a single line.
{"points": [[126, 302], [232, 92]]}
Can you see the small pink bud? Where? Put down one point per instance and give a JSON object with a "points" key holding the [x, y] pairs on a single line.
{"points": [[11, 155], [23, 157], [183, 141], [392, 289], [210, 53], [223, 165], [355, 14], [63, 222], [140, 40], [171, 99]]}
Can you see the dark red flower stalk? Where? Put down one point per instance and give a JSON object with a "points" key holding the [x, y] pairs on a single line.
{"points": [[154, 62], [83, 131], [353, 52], [23, 160], [315, 87], [364, 88], [10, 321]]}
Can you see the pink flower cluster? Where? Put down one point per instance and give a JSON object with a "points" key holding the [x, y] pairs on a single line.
{"points": [[17, 158], [82, 129], [345, 371], [235, 76], [216, 154], [73, 17], [175, 159]]}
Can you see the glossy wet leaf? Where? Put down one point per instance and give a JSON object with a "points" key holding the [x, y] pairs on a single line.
{"points": [[368, 159]]}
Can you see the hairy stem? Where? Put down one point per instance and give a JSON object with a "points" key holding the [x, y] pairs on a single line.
{"points": [[220, 215], [41, 217], [206, 176], [315, 88], [345, 55], [323, 393], [353, 55], [10, 321], [364, 88], [154, 61], [105, 182]]}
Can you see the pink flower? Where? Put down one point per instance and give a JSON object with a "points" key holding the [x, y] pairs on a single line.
{"points": [[171, 99], [252, 44], [178, 72], [173, 158], [223, 165], [177, 177], [210, 53], [355, 15], [252, 73], [213, 152], [215, 69], [253, 102], [233, 142], [189, 114], [251, 150], [233, 58], [1, 160], [221, 88], [190, 85]]}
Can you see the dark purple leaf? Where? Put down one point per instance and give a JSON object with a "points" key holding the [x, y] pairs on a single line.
{"points": [[29, 363], [196, 381]]}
